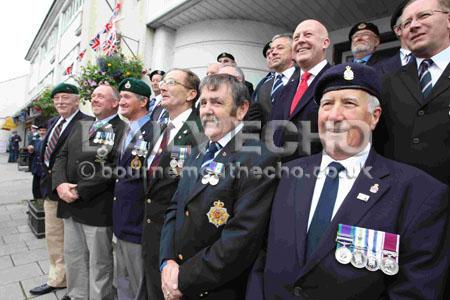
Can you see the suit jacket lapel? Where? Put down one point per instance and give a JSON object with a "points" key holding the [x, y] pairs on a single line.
{"points": [[303, 192], [442, 84], [353, 209], [409, 76]]}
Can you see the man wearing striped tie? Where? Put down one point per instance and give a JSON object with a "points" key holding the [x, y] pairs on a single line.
{"points": [[416, 107], [66, 100], [215, 224]]}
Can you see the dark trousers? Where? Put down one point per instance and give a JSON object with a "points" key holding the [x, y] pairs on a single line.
{"points": [[37, 194]]}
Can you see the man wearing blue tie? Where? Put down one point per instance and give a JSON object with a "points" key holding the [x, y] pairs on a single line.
{"points": [[355, 225]]}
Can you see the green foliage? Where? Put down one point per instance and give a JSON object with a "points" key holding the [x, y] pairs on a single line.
{"points": [[110, 69], [45, 104]]}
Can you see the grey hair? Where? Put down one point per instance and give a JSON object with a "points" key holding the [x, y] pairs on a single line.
{"points": [[114, 91], [372, 103], [239, 91], [287, 35]]}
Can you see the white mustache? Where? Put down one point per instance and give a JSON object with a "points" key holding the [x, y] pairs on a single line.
{"points": [[210, 119]]}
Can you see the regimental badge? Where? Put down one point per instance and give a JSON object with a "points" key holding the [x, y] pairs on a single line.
{"points": [[136, 163], [102, 152], [374, 188], [127, 85], [218, 214], [362, 26], [348, 73]]}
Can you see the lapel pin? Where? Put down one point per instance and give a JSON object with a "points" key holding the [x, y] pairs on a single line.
{"points": [[185, 131], [224, 154], [374, 188], [363, 197]]}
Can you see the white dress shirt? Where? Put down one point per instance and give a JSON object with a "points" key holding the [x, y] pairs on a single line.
{"points": [[440, 62], [347, 177], [314, 71]]}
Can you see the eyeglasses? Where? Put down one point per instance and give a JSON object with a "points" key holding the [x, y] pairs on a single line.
{"points": [[62, 99], [171, 82], [420, 17]]}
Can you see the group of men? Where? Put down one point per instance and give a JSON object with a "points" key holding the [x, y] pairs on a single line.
{"points": [[201, 207]]}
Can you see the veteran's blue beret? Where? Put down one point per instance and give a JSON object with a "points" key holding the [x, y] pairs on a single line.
{"points": [[136, 86], [348, 76], [64, 88]]}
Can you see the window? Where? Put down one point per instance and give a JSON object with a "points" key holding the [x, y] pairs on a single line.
{"points": [[70, 12]]}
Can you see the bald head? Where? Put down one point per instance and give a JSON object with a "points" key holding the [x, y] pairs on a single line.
{"points": [[233, 71], [310, 43], [213, 69]]}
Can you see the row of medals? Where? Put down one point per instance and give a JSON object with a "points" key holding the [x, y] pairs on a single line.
{"points": [[107, 140], [359, 259]]}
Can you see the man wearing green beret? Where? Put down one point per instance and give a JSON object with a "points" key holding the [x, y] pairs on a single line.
{"points": [[66, 100], [128, 204]]}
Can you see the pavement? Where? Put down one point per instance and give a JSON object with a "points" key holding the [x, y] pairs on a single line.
{"points": [[23, 257]]}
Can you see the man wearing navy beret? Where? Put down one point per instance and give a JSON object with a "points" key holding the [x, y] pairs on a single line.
{"points": [[355, 225]]}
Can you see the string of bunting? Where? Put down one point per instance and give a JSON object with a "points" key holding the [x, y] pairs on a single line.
{"points": [[108, 45]]}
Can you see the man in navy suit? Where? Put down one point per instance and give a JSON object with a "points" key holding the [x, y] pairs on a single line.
{"points": [[296, 103], [350, 184]]}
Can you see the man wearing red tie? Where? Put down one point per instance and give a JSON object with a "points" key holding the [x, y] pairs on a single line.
{"points": [[310, 41]]}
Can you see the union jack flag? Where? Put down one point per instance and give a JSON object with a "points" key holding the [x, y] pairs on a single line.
{"points": [[81, 55], [68, 70], [95, 43], [108, 27]]}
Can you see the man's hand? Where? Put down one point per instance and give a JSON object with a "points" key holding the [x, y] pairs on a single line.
{"points": [[169, 281], [67, 192]]}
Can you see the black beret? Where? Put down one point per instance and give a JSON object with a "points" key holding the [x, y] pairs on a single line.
{"points": [[397, 13], [224, 54], [136, 86], [42, 127], [64, 88], [361, 26], [348, 76], [156, 72], [266, 48]]}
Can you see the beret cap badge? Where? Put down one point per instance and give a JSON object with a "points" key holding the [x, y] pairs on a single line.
{"points": [[362, 26], [127, 85], [348, 73]]}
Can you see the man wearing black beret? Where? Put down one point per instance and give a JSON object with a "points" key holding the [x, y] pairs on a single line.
{"points": [[365, 38], [155, 108], [66, 101], [365, 227], [227, 59]]}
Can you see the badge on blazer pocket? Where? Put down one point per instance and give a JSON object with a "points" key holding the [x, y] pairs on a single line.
{"points": [[218, 214]]}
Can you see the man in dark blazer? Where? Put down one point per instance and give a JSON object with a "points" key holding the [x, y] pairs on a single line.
{"points": [[282, 64], [214, 227], [129, 189], [66, 100], [35, 149], [185, 134], [365, 39], [415, 127], [296, 103], [82, 176], [400, 249]]}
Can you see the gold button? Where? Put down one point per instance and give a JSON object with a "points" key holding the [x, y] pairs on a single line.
{"points": [[149, 200], [149, 221], [180, 256], [186, 213]]}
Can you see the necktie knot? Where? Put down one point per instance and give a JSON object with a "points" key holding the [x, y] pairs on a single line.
{"points": [[213, 147], [305, 76], [334, 168]]}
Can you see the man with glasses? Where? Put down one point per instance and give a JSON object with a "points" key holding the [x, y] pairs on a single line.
{"points": [[415, 128], [179, 90], [365, 38], [66, 100]]}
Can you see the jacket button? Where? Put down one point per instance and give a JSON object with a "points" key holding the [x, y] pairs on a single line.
{"points": [[416, 140], [149, 200], [201, 295], [420, 113], [180, 256], [115, 198], [117, 180], [186, 213], [149, 221], [49, 171], [297, 291]]}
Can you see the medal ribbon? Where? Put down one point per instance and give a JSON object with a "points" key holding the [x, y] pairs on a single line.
{"points": [[391, 244]]}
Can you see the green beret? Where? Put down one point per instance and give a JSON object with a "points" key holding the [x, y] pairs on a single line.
{"points": [[136, 86], [65, 88]]}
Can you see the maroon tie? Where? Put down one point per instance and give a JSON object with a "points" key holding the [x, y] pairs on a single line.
{"points": [[303, 86], [162, 147], [53, 140]]}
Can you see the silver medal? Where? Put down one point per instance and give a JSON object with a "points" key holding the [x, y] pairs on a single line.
{"points": [[173, 163], [372, 263], [213, 179], [389, 266], [359, 259], [205, 179], [343, 255]]}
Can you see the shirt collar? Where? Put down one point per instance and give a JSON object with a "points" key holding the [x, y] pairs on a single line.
{"points": [[137, 124], [287, 73], [316, 69], [441, 59], [352, 163], [107, 119], [181, 119], [405, 52], [69, 118], [227, 138]]}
